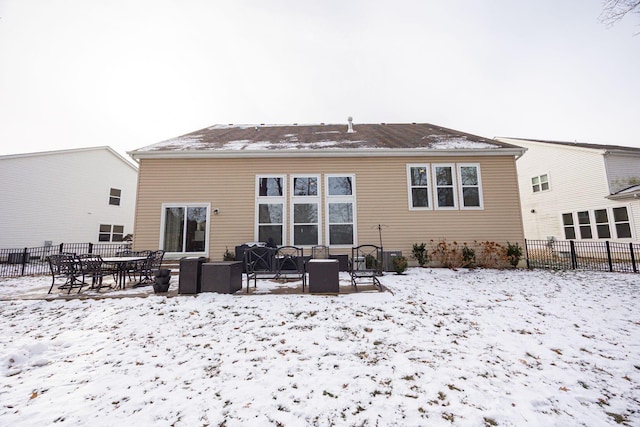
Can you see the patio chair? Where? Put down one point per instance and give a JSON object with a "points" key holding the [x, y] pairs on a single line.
{"points": [[320, 252], [64, 267], [91, 266], [366, 265], [134, 267], [259, 262], [146, 268], [290, 263]]}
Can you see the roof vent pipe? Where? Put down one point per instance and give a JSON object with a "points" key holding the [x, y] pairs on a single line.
{"points": [[350, 125]]}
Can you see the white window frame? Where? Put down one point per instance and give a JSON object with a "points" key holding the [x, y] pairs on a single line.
{"points": [[582, 225], [271, 200], [206, 232], [410, 187], [593, 224], [117, 199], [453, 186], [305, 200], [341, 199], [614, 224], [596, 232], [461, 187], [111, 233], [572, 225], [539, 184]]}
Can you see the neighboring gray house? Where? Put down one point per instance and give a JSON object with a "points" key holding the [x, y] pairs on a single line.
{"points": [[67, 196], [577, 191]]}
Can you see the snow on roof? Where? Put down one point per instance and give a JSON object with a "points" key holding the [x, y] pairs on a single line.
{"points": [[324, 136]]}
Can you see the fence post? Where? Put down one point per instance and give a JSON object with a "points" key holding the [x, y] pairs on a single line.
{"points": [[633, 258], [90, 247], [574, 257], [24, 259], [61, 248], [609, 255], [526, 253]]}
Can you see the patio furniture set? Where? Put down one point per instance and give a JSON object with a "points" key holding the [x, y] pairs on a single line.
{"points": [[70, 271], [289, 262]]}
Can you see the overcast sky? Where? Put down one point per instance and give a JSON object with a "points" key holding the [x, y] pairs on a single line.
{"points": [[129, 73]]}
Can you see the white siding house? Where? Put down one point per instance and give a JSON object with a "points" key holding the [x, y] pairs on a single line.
{"points": [[576, 191], [67, 196]]}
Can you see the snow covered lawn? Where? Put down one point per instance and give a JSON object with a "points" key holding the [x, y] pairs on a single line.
{"points": [[463, 348]]}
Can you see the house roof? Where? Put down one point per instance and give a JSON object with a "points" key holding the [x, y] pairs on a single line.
{"points": [[632, 192], [330, 139], [603, 147], [71, 151]]}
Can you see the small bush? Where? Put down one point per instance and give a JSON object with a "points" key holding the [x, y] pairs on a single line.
{"points": [[452, 255], [228, 256], [400, 264], [514, 253], [419, 253], [370, 262], [468, 256]]}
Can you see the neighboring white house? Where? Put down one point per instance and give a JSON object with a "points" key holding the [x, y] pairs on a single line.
{"points": [[579, 191], [67, 196]]}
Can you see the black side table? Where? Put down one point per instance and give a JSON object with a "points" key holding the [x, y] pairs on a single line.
{"points": [[324, 276], [222, 277]]}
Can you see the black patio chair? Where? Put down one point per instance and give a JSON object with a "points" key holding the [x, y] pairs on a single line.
{"points": [[259, 262], [290, 264], [320, 252], [91, 266], [366, 265], [145, 269], [64, 267], [132, 268]]}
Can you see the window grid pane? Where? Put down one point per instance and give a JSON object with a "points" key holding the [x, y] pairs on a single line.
{"points": [[305, 227], [470, 184], [271, 187], [420, 197], [419, 186], [340, 186], [623, 226], [305, 186], [445, 196]]}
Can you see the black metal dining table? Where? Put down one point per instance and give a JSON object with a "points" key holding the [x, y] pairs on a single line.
{"points": [[122, 263]]}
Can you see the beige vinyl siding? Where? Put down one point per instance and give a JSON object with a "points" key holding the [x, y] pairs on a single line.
{"points": [[381, 198]]}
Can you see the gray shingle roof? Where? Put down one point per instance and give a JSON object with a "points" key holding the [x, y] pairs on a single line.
{"points": [[583, 145], [324, 136]]}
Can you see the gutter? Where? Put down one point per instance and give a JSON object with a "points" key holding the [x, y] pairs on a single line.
{"points": [[325, 153]]}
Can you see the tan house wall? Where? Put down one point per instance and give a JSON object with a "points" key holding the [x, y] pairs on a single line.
{"points": [[381, 198]]}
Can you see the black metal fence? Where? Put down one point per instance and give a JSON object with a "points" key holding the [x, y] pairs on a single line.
{"points": [[581, 255], [28, 261]]}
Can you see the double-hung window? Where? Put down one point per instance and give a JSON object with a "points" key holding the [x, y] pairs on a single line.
{"points": [[340, 199], [470, 186], [419, 191], [568, 225], [270, 202], [540, 183], [114, 196], [185, 227], [602, 223], [584, 225], [621, 220], [305, 210], [111, 233], [445, 183], [598, 223]]}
